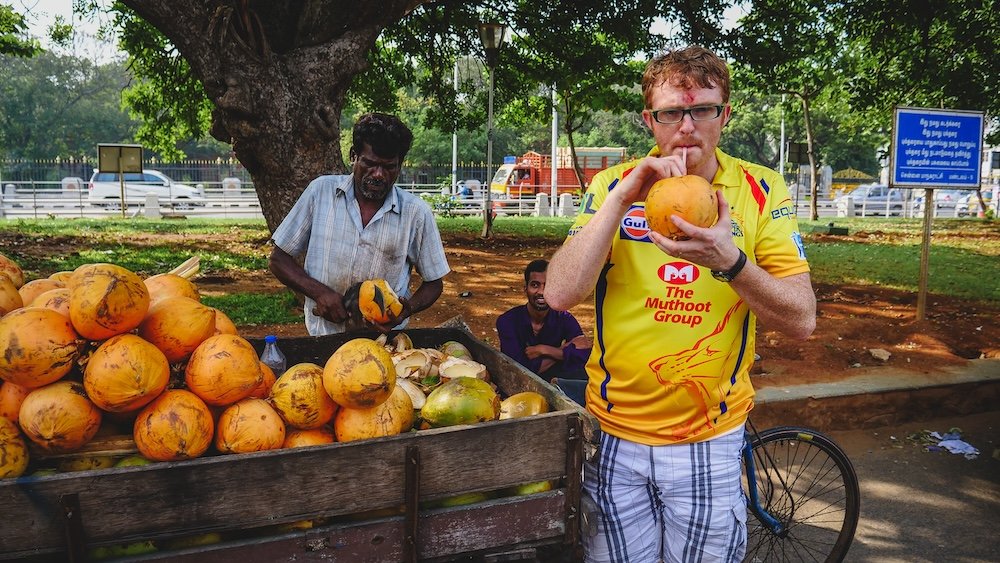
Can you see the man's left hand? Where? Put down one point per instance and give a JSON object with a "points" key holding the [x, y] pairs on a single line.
{"points": [[394, 320], [711, 247]]}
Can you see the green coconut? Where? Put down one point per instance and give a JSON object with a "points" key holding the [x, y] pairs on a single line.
{"points": [[463, 400], [456, 349]]}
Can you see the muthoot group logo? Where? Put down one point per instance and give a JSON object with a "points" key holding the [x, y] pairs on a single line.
{"points": [[678, 273]]}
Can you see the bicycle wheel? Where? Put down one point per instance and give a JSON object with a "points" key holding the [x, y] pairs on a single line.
{"points": [[807, 482]]}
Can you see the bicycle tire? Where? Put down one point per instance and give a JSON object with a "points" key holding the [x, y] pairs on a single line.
{"points": [[806, 481]]}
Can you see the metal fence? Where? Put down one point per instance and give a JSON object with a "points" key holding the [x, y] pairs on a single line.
{"points": [[58, 188], [208, 172]]}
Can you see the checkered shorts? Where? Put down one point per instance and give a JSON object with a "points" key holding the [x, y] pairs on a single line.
{"points": [[666, 503]]}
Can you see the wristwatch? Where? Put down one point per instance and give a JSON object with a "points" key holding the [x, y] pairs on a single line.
{"points": [[730, 274]]}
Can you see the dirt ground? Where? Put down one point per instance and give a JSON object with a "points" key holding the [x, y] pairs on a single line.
{"points": [[486, 280]]}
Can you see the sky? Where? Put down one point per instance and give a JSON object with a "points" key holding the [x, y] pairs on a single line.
{"points": [[40, 14]]}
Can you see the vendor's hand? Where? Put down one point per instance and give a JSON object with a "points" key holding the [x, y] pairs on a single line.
{"points": [[394, 320], [330, 306], [710, 247], [582, 342]]}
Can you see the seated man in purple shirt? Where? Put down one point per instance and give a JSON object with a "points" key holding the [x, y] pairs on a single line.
{"points": [[549, 343]]}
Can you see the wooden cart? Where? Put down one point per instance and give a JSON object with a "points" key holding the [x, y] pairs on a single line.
{"points": [[372, 495]]}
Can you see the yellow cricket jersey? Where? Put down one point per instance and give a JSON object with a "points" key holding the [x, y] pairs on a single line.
{"points": [[673, 346]]}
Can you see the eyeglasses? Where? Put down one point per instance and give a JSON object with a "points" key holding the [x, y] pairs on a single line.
{"points": [[697, 113]]}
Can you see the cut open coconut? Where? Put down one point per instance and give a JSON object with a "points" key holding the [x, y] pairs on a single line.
{"points": [[457, 367], [416, 395]]}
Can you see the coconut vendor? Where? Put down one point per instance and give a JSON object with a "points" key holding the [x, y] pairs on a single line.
{"points": [[549, 343], [361, 226], [675, 324]]}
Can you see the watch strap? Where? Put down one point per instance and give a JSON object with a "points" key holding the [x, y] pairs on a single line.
{"points": [[731, 273]]}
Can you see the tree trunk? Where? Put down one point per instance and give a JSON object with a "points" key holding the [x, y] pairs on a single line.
{"points": [[813, 186], [277, 74], [568, 122]]}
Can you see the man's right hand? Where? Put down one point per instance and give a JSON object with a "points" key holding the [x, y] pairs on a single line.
{"points": [[636, 184], [330, 305]]}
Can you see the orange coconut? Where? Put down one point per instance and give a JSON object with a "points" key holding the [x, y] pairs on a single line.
{"points": [[169, 285], [12, 270], [299, 438], [264, 389], [299, 397], [11, 397], [690, 197], [176, 425], [360, 374], [223, 324], [55, 299], [10, 297], [62, 276], [59, 417], [177, 324], [223, 369], [250, 425], [377, 301], [106, 300], [34, 288], [394, 416], [39, 346], [125, 373], [13, 450]]}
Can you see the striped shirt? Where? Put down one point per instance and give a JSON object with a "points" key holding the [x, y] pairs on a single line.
{"points": [[325, 226]]}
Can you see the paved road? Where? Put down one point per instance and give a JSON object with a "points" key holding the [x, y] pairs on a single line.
{"points": [[919, 506]]}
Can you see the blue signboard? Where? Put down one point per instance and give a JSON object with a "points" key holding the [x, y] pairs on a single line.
{"points": [[934, 148]]}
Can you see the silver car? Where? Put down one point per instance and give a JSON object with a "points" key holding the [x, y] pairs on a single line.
{"points": [[872, 199], [944, 202], [105, 190]]}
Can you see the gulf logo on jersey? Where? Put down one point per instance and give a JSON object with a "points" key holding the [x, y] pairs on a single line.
{"points": [[634, 225], [678, 273]]}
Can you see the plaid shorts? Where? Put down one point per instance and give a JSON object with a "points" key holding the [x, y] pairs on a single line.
{"points": [[670, 503]]}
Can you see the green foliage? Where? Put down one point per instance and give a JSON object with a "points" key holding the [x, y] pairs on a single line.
{"points": [[939, 55], [12, 34], [58, 105], [444, 205], [166, 97]]}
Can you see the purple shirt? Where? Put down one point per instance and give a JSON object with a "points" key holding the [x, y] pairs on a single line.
{"points": [[514, 329]]}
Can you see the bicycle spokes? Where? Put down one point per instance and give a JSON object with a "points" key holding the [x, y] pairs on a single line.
{"points": [[807, 485]]}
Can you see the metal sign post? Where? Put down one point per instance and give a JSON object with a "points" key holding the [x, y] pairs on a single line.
{"points": [[122, 158], [934, 148]]}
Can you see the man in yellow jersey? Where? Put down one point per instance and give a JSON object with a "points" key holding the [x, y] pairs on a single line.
{"points": [[675, 324]]}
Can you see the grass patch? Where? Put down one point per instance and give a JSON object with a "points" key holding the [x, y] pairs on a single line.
{"points": [[536, 227], [144, 260], [123, 227], [952, 271], [247, 309]]}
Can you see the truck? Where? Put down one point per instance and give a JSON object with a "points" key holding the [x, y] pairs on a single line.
{"points": [[531, 173], [370, 500]]}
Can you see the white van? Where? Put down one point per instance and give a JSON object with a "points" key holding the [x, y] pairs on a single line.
{"points": [[105, 190]]}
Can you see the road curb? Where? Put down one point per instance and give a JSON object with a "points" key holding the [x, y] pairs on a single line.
{"points": [[881, 397]]}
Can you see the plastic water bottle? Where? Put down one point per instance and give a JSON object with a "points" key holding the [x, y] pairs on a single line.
{"points": [[272, 356]]}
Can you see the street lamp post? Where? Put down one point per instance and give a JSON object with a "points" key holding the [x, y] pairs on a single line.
{"points": [[491, 34]]}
